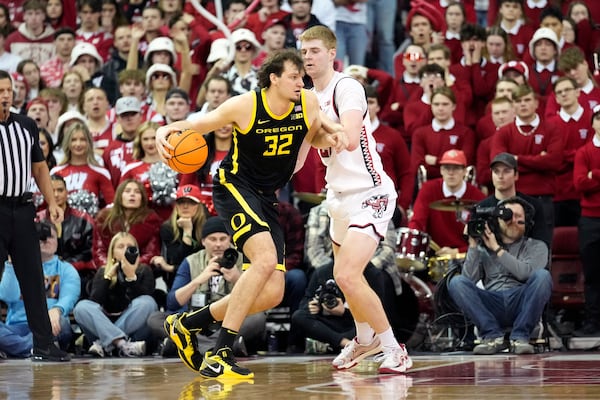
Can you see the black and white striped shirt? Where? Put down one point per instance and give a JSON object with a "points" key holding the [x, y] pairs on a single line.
{"points": [[19, 148]]}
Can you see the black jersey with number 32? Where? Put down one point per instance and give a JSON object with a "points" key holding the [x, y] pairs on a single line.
{"points": [[265, 154]]}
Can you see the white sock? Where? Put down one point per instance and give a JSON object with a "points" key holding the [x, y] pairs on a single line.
{"points": [[364, 332], [388, 340]]}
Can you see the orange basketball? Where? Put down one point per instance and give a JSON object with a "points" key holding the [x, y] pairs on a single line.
{"points": [[189, 153]]}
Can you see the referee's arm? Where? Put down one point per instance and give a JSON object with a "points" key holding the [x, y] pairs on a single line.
{"points": [[41, 174]]}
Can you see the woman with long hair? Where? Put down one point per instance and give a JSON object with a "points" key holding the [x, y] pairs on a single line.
{"points": [[31, 71], [181, 234], [144, 168], [73, 85], [114, 317], [82, 172], [129, 213]]}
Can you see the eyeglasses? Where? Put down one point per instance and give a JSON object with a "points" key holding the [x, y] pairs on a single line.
{"points": [[413, 57], [160, 75], [432, 75], [564, 91], [243, 47]]}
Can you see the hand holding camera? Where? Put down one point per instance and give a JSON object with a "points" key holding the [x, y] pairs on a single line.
{"points": [[128, 265]]}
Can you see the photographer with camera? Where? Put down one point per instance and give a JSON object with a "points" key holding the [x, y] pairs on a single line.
{"points": [[511, 267], [114, 317], [62, 288], [323, 314], [202, 278]]}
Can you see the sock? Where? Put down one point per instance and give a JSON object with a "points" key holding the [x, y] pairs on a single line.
{"points": [[364, 332], [198, 319], [388, 340], [225, 339]]}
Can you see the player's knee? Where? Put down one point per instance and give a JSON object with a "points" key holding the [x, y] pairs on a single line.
{"points": [[346, 282]]}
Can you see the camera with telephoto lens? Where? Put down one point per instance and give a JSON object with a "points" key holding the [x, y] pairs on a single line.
{"points": [[328, 294], [482, 215], [131, 254], [229, 258], [43, 230]]}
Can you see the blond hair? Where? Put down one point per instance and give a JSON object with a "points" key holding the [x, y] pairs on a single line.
{"points": [[322, 33]]}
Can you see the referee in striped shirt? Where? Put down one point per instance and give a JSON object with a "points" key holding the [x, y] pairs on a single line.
{"points": [[21, 159]]}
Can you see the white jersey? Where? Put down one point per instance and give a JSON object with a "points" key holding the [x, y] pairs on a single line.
{"points": [[360, 169]]}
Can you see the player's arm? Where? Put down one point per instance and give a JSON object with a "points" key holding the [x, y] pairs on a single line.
{"points": [[352, 106], [226, 113], [323, 132]]}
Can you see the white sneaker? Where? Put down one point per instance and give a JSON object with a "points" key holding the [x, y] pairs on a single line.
{"points": [[395, 361], [96, 349], [354, 352], [133, 349]]}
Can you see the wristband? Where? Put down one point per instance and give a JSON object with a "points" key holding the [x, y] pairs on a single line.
{"points": [[497, 250]]}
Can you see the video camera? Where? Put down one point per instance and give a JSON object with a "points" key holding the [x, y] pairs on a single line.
{"points": [[328, 293], [482, 215]]}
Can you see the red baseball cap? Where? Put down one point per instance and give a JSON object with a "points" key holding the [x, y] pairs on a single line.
{"points": [[191, 192], [454, 157]]}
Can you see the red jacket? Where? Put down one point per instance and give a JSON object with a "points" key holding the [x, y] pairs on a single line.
{"points": [[396, 162], [427, 141], [537, 172], [574, 134], [587, 159], [146, 234]]}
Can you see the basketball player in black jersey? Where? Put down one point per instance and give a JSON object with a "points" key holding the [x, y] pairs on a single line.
{"points": [[274, 128]]}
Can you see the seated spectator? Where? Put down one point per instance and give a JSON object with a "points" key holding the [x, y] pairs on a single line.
{"points": [[73, 84], [120, 302], [444, 133], [544, 48], [203, 278], [129, 213], [516, 284], [505, 174], [511, 19], [445, 227], [322, 314], [75, 239], [37, 110], [62, 292], [180, 235]]}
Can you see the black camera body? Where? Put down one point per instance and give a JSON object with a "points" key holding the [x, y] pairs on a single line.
{"points": [[131, 254], [328, 294], [43, 230], [229, 258], [481, 216]]}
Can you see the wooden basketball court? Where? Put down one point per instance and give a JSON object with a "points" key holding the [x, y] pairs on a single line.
{"points": [[550, 375]]}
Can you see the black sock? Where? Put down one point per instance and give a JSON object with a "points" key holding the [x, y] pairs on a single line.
{"points": [[198, 320], [225, 339]]}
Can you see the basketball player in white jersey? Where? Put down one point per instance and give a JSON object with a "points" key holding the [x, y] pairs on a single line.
{"points": [[361, 200]]}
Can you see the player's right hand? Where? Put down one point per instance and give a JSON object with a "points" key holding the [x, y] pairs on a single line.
{"points": [[162, 142]]}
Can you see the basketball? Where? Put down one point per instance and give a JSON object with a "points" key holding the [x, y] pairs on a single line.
{"points": [[189, 153]]}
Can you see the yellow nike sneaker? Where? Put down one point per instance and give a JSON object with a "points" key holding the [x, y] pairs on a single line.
{"points": [[186, 342], [223, 364]]}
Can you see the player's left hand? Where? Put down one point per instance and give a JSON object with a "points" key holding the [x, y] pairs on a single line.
{"points": [[337, 137]]}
